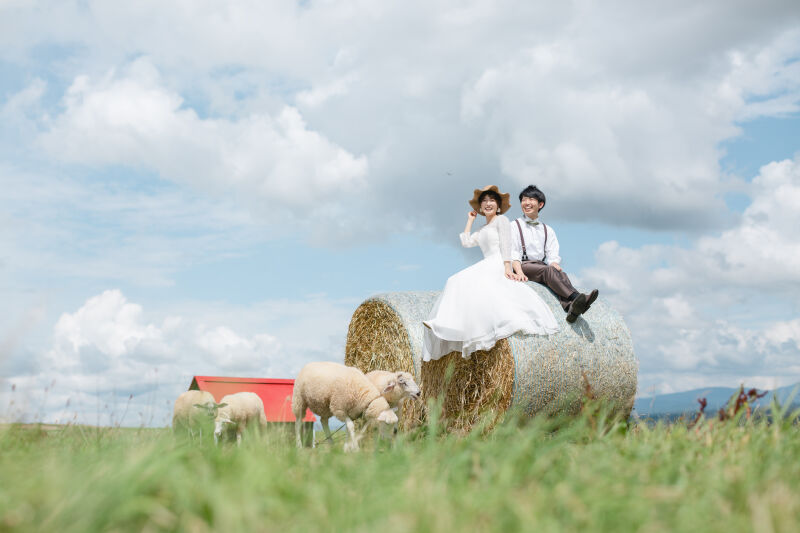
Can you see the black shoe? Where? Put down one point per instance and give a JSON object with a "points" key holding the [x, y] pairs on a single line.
{"points": [[577, 307], [590, 299]]}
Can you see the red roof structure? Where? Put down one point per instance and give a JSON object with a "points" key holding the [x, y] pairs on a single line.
{"points": [[275, 393]]}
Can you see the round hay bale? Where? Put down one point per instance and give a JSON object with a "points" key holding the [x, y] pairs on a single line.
{"points": [[385, 333], [535, 374]]}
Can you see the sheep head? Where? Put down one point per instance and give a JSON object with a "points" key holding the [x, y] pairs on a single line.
{"points": [[210, 408], [405, 382]]}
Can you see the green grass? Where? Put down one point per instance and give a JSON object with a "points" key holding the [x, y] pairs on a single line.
{"points": [[582, 474]]}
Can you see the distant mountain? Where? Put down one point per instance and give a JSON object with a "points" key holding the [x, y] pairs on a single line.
{"points": [[679, 403]]}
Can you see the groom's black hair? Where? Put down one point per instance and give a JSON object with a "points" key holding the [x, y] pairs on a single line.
{"points": [[532, 191], [490, 193]]}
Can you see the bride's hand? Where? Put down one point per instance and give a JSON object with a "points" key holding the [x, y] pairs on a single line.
{"points": [[471, 215], [510, 274]]}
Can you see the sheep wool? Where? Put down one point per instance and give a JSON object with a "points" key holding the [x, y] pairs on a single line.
{"points": [[238, 411], [330, 389], [187, 417]]}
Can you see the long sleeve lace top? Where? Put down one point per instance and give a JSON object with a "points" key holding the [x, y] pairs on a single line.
{"points": [[493, 238]]}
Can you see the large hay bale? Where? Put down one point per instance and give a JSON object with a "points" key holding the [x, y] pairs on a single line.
{"points": [[385, 333], [536, 374]]}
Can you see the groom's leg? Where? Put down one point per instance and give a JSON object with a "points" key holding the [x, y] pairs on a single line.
{"points": [[556, 280]]}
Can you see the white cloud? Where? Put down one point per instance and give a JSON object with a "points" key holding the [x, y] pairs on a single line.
{"points": [[361, 119], [716, 309], [320, 94], [618, 111], [108, 323], [133, 120], [764, 250], [111, 349]]}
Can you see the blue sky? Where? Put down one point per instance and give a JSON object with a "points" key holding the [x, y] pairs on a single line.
{"points": [[215, 190]]}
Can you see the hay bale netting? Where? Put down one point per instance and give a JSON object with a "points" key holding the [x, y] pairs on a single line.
{"points": [[536, 374]]}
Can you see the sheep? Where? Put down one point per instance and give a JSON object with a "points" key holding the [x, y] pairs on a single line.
{"points": [[193, 412], [406, 386], [330, 389], [235, 412]]}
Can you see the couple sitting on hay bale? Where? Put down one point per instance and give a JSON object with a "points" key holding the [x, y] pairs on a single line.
{"points": [[485, 302]]}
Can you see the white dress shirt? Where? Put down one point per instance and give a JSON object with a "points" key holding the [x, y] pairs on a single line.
{"points": [[534, 242]]}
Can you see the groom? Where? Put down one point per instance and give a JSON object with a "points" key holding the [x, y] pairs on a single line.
{"points": [[534, 255]]}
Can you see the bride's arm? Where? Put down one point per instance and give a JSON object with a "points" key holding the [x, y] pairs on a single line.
{"points": [[504, 229], [468, 240]]}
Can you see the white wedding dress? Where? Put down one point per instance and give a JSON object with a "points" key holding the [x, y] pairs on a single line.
{"points": [[480, 306]]}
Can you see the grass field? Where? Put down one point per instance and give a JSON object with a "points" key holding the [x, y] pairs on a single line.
{"points": [[582, 474]]}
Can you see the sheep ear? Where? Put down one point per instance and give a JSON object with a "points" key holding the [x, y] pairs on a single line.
{"points": [[389, 386], [221, 405]]}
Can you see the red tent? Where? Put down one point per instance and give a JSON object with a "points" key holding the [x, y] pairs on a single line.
{"points": [[275, 393]]}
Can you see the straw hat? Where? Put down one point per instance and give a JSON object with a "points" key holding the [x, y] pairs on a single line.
{"points": [[505, 204]]}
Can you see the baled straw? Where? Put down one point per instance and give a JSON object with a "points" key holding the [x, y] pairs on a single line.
{"points": [[540, 374], [385, 333], [484, 382]]}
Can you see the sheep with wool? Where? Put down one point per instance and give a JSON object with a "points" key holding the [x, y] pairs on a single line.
{"points": [[236, 412], [193, 413], [330, 389]]}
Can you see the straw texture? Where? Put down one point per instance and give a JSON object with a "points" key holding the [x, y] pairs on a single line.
{"points": [[536, 374]]}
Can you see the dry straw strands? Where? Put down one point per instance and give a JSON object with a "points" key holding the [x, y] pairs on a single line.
{"points": [[473, 386], [382, 336], [536, 374]]}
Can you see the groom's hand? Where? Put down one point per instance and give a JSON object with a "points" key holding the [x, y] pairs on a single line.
{"points": [[556, 266]]}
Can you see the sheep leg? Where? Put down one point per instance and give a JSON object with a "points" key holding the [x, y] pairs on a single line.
{"points": [[327, 429], [351, 431], [297, 428], [238, 437]]}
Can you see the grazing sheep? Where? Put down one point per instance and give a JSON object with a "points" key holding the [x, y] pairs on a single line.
{"points": [[235, 412], [331, 389], [406, 386], [193, 412]]}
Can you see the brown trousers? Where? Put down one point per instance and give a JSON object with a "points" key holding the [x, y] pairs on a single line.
{"points": [[556, 280]]}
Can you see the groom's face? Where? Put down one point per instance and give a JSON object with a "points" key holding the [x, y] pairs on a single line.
{"points": [[530, 206]]}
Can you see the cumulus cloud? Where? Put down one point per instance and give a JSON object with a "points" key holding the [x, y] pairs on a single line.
{"points": [[718, 308], [110, 353], [133, 120], [618, 111], [377, 119]]}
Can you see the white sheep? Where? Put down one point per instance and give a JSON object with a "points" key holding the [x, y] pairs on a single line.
{"points": [[330, 389], [406, 387], [193, 412], [235, 412]]}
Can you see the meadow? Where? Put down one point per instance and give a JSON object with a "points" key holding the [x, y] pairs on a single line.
{"points": [[585, 473]]}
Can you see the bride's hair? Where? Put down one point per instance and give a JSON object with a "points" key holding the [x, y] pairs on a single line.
{"points": [[493, 195], [532, 191]]}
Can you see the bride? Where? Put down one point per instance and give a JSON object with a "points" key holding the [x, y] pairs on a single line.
{"points": [[485, 302]]}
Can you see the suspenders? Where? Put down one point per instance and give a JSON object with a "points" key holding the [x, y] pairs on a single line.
{"points": [[522, 240]]}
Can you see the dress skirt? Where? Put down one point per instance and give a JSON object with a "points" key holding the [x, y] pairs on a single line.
{"points": [[480, 306]]}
